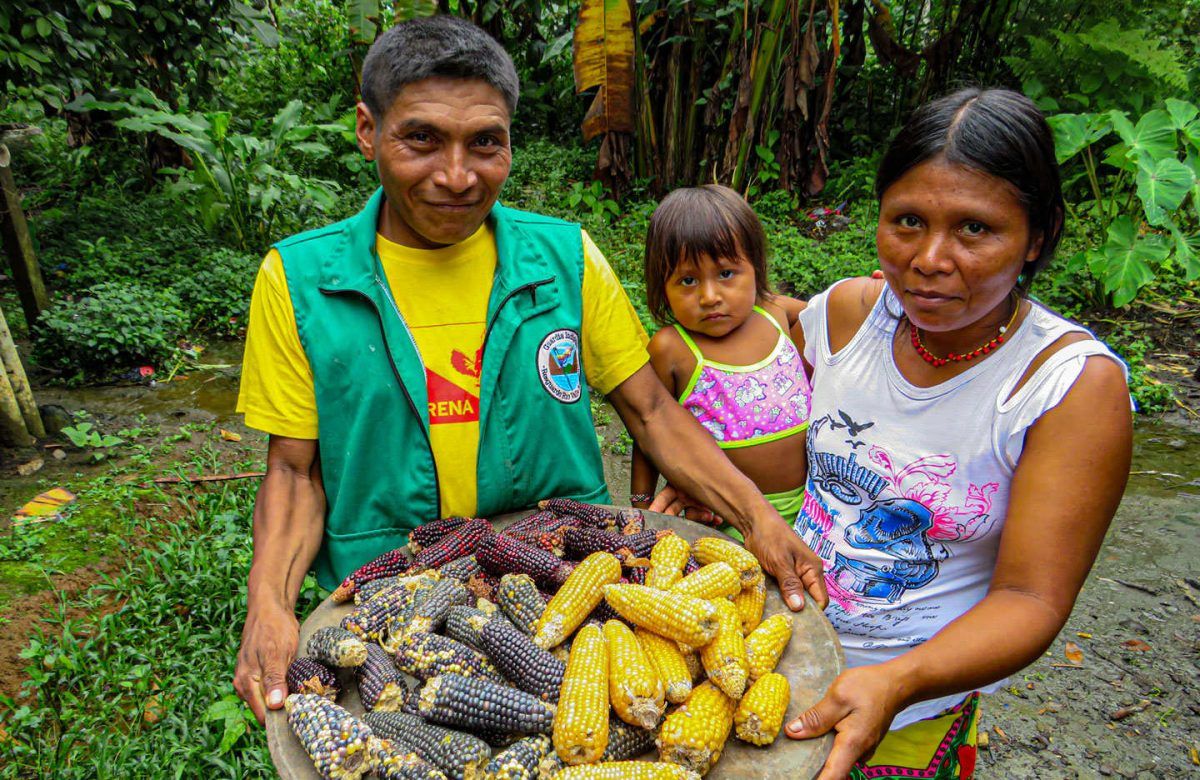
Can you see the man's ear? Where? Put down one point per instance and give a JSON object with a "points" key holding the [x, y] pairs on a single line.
{"points": [[364, 130]]}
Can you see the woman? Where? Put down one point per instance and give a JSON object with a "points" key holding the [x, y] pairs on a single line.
{"points": [[968, 447]]}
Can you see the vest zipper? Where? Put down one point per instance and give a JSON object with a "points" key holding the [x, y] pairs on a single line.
{"points": [[532, 287]]}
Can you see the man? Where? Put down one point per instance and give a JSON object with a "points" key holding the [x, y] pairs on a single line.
{"points": [[425, 358]]}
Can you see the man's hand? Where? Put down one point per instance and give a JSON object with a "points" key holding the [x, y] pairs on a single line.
{"points": [[672, 501], [786, 557], [269, 643], [859, 706]]}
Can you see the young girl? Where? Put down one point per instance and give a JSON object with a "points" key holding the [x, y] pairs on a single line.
{"points": [[728, 358]]}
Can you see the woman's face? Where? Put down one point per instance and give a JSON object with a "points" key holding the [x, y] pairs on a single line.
{"points": [[952, 241]]}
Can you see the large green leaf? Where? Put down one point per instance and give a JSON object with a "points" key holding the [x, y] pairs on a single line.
{"points": [[604, 49], [1182, 112], [1125, 263], [1074, 132], [1152, 138], [1187, 251], [1162, 186], [363, 16]]}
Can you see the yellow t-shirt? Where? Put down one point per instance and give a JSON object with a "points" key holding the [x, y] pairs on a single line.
{"points": [[443, 295]]}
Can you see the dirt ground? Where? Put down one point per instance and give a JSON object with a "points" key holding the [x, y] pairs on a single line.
{"points": [[1121, 700]]}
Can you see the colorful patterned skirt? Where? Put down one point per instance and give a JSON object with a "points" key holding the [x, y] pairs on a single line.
{"points": [[941, 747]]}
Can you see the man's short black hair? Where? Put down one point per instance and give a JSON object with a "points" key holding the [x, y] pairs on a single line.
{"points": [[435, 46]]}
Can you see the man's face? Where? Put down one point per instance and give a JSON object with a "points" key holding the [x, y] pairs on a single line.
{"points": [[442, 151]]}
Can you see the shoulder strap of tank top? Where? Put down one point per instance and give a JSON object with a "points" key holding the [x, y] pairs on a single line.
{"points": [[771, 319], [687, 339]]}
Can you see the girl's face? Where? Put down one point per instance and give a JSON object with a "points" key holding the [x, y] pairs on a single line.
{"points": [[952, 241], [712, 296]]}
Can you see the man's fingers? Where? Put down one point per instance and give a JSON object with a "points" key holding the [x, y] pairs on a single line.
{"points": [[274, 684], [841, 759], [814, 583], [250, 689], [792, 589], [663, 500], [816, 720]]}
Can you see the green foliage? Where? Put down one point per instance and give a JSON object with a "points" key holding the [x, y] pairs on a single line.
{"points": [[1107, 66], [85, 436], [216, 293], [593, 200], [110, 328], [52, 51], [1154, 163], [804, 267], [239, 181]]}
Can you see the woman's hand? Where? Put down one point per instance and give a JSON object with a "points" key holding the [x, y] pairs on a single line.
{"points": [[785, 556], [672, 501], [859, 706]]}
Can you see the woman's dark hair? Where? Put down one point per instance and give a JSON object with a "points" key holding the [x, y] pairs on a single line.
{"points": [[996, 131], [694, 221]]}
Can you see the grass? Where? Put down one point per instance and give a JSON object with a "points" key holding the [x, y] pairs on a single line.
{"points": [[141, 685]]}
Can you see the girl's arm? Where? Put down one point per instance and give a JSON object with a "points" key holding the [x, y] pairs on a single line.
{"points": [[1064, 493], [664, 350]]}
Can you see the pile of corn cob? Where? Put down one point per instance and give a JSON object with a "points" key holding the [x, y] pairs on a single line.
{"points": [[567, 645]]}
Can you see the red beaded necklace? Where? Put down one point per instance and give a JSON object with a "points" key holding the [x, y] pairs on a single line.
{"points": [[954, 357]]}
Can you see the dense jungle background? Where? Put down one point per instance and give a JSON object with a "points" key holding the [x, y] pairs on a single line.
{"points": [[152, 151]]}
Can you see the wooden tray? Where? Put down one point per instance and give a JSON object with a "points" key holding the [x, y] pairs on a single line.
{"points": [[811, 662]]}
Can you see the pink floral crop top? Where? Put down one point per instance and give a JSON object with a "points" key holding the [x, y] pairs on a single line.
{"points": [[746, 405]]}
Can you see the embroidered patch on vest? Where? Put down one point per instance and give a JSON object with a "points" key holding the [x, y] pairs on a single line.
{"points": [[558, 365]]}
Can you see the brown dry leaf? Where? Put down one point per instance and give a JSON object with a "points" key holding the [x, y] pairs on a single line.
{"points": [[1136, 645], [230, 435], [153, 711], [1195, 754], [1083, 635], [1073, 653], [1000, 733], [982, 741], [32, 467]]}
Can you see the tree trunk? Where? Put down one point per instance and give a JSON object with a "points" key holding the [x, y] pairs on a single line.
{"points": [[19, 246], [12, 425], [18, 381]]}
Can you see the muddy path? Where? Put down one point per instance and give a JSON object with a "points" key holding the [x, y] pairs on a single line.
{"points": [[1122, 700]]}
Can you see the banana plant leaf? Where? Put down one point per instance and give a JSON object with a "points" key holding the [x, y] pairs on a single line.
{"points": [[604, 50]]}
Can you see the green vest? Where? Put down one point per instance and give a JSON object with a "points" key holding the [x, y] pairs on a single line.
{"points": [[536, 438]]}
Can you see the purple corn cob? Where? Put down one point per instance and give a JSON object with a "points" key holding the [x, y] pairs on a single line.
{"points": [[582, 542], [541, 521], [501, 554], [461, 569], [390, 563], [592, 515], [691, 565], [430, 533], [380, 685], [308, 675], [550, 541], [453, 545], [630, 521]]}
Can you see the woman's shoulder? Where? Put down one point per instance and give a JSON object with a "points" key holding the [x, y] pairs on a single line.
{"points": [[847, 306]]}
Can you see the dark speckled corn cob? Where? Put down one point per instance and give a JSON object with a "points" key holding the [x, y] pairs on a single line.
{"points": [[308, 675], [335, 740], [431, 611], [459, 542], [579, 543], [380, 685], [391, 762], [544, 520], [463, 624], [592, 515], [520, 760], [429, 655], [432, 532], [691, 565], [630, 521], [520, 601], [369, 620], [477, 704], [460, 756], [526, 665], [336, 646], [390, 563], [502, 554], [550, 541], [461, 569]]}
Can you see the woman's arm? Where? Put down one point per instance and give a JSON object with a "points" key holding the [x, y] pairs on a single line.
{"points": [[1064, 493], [664, 354]]}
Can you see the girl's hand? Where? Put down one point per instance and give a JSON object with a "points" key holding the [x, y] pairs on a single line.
{"points": [[672, 501], [859, 706]]}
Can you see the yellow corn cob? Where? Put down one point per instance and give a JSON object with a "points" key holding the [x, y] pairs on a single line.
{"points": [[634, 689], [750, 602], [714, 581], [724, 658], [581, 720], [666, 562], [627, 770], [694, 735], [765, 644], [577, 597], [683, 618], [710, 549], [760, 713], [669, 663]]}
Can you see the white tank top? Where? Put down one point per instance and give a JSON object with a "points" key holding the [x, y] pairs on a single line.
{"points": [[908, 486]]}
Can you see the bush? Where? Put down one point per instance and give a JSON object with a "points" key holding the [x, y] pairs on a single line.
{"points": [[112, 327], [805, 266], [216, 294]]}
